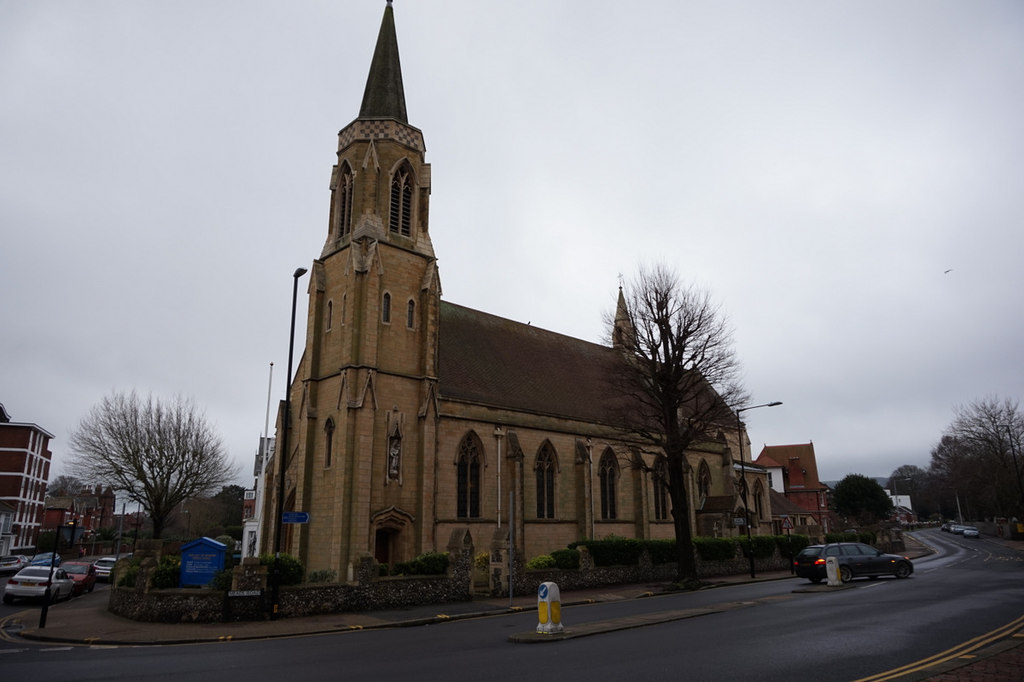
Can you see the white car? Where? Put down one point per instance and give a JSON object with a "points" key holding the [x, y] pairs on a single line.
{"points": [[971, 532], [36, 582], [104, 566]]}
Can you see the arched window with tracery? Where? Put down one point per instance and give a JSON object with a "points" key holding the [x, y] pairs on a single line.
{"points": [[759, 502], [344, 194], [385, 309], [400, 216], [468, 477], [329, 316], [410, 315], [703, 484], [545, 470], [660, 480], [608, 473]]}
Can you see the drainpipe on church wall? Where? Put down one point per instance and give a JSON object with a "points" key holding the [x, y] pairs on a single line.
{"points": [[498, 435]]}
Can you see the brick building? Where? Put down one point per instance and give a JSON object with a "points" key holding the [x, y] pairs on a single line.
{"points": [[793, 473], [412, 416], [24, 469]]}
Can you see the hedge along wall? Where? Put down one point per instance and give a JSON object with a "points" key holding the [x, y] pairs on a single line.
{"points": [[715, 557]]}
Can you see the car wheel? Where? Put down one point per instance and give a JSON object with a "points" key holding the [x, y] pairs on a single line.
{"points": [[845, 574], [903, 570], [92, 587], [8, 599], [815, 580]]}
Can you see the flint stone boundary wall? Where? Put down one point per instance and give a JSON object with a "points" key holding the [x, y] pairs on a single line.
{"points": [[367, 592]]}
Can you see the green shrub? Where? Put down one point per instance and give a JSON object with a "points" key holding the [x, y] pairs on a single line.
{"points": [[291, 568], [222, 580], [325, 575], [542, 561], [168, 572], [431, 563], [126, 576], [614, 551], [790, 545], [566, 559], [482, 561], [715, 549], [662, 551]]}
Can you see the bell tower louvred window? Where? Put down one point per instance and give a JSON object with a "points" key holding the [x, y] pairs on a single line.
{"points": [[345, 201], [400, 218]]}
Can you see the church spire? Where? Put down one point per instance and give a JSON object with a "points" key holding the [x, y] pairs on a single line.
{"points": [[384, 96], [623, 333]]}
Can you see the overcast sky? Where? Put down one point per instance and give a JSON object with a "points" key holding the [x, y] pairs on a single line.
{"points": [[846, 178]]}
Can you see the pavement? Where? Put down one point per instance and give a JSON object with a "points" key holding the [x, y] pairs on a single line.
{"points": [[85, 620]]}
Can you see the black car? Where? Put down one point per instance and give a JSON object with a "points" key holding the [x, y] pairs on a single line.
{"points": [[855, 560]]}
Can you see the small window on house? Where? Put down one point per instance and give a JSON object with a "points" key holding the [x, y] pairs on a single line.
{"points": [[608, 472], [410, 315], [385, 311]]}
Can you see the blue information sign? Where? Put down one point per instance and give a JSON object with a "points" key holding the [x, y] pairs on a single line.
{"points": [[295, 517]]}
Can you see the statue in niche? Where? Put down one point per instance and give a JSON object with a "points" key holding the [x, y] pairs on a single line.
{"points": [[394, 456]]}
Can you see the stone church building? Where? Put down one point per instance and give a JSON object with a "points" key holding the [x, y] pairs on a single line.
{"points": [[412, 416]]}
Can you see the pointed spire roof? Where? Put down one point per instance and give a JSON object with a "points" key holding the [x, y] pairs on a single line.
{"points": [[623, 334], [384, 96]]}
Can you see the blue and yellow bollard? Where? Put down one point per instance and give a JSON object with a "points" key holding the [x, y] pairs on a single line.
{"points": [[549, 609]]}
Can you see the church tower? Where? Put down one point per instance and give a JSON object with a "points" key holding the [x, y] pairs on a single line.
{"points": [[363, 418]]}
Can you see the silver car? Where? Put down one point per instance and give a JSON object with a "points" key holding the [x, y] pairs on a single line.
{"points": [[971, 532], [36, 582]]}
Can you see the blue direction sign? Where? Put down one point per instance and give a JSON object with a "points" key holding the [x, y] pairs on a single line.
{"points": [[294, 517]]}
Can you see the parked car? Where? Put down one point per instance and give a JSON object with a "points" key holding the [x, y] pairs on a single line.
{"points": [[104, 566], [36, 582], [13, 563], [971, 532], [84, 575], [956, 529], [44, 559], [855, 559], [945, 527]]}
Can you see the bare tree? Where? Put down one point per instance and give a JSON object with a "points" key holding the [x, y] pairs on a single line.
{"points": [[158, 454], [979, 457], [679, 378], [64, 486]]}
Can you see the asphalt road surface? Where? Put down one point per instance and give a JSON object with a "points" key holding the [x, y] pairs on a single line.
{"points": [[778, 630]]}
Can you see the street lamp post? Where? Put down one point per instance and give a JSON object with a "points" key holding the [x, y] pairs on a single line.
{"points": [[283, 453], [743, 478]]}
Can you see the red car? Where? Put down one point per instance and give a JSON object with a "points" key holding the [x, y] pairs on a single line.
{"points": [[84, 575]]}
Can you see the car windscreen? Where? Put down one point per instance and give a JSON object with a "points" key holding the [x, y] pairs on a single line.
{"points": [[80, 569], [34, 573]]}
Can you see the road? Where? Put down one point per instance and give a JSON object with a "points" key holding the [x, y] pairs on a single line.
{"points": [[777, 630]]}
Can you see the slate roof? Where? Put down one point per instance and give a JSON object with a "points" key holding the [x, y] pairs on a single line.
{"points": [[497, 362], [782, 505]]}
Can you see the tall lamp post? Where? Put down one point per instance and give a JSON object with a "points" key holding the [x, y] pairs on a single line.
{"points": [[743, 478], [283, 453]]}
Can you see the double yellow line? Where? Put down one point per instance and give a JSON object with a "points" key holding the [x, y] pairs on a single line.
{"points": [[949, 654]]}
